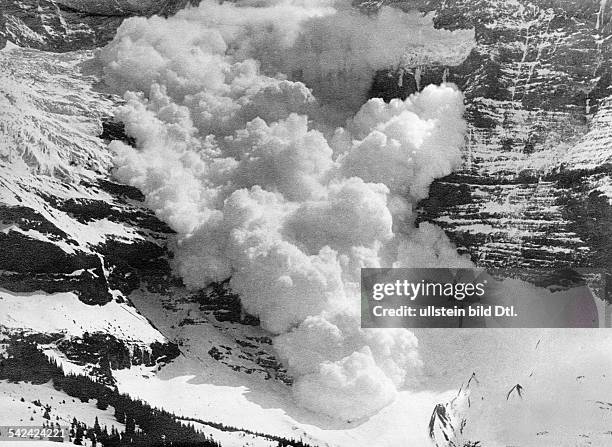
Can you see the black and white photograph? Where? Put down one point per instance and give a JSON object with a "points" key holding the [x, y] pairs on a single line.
{"points": [[306, 223]]}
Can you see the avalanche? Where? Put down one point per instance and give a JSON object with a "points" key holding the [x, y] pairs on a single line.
{"points": [[252, 145]]}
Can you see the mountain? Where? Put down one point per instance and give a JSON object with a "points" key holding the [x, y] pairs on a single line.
{"points": [[79, 250], [534, 189], [85, 268], [68, 25]]}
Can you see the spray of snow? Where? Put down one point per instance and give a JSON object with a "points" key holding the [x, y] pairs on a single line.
{"points": [[235, 111]]}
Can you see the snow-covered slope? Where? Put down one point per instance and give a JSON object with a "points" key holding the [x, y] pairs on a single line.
{"points": [[18, 408], [65, 314], [536, 397], [72, 241]]}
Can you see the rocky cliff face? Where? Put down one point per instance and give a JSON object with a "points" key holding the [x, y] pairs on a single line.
{"points": [[50, 26], [538, 93], [534, 187], [68, 25]]}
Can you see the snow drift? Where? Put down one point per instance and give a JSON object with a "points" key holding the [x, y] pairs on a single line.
{"points": [[235, 110]]}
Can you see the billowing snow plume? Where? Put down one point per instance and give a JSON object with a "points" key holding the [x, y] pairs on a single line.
{"points": [[247, 165]]}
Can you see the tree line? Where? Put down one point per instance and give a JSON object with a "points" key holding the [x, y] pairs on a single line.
{"points": [[142, 424]]}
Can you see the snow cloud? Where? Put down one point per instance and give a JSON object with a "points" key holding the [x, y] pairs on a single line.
{"points": [[253, 144]]}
